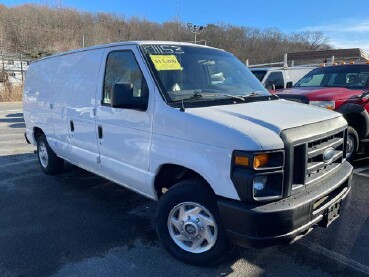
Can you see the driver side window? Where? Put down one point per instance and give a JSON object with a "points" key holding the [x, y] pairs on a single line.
{"points": [[275, 78], [314, 81], [122, 67]]}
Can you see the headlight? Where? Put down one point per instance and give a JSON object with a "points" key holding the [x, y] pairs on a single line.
{"points": [[259, 184], [268, 186], [258, 161], [330, 105], [258, 176]]}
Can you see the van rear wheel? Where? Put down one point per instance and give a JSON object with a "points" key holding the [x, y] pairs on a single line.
{"points": [[188, 224], [50, 163]]}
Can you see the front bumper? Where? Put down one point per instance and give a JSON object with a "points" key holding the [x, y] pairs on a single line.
{"points": [[286, 220]]}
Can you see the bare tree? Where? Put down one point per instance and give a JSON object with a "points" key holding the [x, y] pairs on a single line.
{"points": [[49, 28]]}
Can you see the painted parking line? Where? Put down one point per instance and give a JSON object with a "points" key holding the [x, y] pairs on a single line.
{"points": [[360, 171], [17, 163], [335, 256], [362, 174], [11, 111]]}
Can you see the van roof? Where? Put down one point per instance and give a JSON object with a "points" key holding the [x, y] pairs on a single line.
{"points": [[122, 43]]}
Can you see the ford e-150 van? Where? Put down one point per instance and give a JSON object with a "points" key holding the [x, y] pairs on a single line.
{"points": [[228, 162]]}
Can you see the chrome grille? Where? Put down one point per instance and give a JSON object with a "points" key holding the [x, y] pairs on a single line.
{"points": [[305, 145], [316, 166]]}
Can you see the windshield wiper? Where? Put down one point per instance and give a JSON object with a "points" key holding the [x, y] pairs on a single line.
{"points": [[260, 93], [240, 97], [196, 95], [243, 96], [255, 93], [199, 95]]}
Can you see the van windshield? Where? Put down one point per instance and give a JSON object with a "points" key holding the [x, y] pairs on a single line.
{"points": [[200, 74], [347, 76]]}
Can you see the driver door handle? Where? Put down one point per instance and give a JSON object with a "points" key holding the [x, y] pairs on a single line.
{"points": [[100, 132], [71, 123]]}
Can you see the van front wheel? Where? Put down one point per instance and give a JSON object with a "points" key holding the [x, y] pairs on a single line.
{"points": [[352, 143], [188, 224], [50, 163]]}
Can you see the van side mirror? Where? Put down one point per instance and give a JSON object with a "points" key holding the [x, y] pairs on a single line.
{"points": [[122, 97], [364, 97], [289, 85], [270, 86]]}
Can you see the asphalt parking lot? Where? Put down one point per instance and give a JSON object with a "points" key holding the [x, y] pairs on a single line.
{"points": [[78, 224]]}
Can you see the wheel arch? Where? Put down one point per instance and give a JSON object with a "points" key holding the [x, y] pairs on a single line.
{"points": [[169, 174], [37, 132], [357, 117]]}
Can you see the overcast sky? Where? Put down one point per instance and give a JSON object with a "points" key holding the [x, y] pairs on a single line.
{"points": [[345, 22]]}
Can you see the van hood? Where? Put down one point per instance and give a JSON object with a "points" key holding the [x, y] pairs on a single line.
{"points": [[248, 126]]}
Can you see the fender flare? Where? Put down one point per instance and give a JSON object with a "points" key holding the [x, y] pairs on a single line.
{"points": [[354, 109]]}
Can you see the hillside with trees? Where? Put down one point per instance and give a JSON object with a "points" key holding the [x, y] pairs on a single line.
{"points": [[40, 30]]}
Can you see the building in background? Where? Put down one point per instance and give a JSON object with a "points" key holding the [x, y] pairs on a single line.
{"points": [[13, 68]]}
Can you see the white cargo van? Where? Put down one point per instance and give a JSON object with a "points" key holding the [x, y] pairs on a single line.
{"points": [[228, 162]]}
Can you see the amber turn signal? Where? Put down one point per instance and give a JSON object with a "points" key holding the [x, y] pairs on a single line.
{"points": [[244, 161], [260, 160]]}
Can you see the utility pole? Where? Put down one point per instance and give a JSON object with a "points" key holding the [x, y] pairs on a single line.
{"points": [[195, 29], [2, 75], [83, 41], [1, 38], [2, 60], [21, 60]]}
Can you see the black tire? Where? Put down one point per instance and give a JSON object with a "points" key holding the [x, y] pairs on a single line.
{"points": [[197, 192], [54, 164], [352, 137]]}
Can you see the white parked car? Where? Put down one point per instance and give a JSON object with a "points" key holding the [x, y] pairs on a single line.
{"points": [[190, 126]]}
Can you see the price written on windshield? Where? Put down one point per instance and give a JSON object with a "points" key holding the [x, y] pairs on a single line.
{"points": [[165, 62]]}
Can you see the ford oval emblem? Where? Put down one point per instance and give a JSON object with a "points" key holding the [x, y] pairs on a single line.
{"points": [[328, 155]]}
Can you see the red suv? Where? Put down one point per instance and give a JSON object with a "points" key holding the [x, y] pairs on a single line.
{"points": [[343, 88]]}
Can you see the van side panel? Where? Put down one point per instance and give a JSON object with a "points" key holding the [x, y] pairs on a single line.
{"points": [[29, 102], [65, 87], [79, 72], [60, 142], [38, 99]]}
